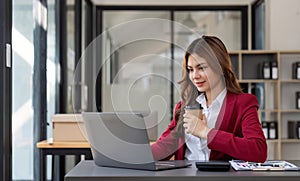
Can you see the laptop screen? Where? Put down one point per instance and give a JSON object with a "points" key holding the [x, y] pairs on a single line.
{"points": [[118, 138]]}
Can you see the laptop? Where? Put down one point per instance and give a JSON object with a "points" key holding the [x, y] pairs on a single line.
{"points": [[120, 139]]}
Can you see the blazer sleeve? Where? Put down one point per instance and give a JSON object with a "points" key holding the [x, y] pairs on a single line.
{"points": [[165, 147], [246, 140]]}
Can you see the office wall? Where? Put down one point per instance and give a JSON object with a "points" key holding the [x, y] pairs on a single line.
{"points": [[282, 24]]}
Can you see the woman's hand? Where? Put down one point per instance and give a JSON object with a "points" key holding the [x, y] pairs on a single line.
{"points": [[195, 126]]}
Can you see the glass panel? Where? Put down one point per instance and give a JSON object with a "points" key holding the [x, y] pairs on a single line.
{"points": [[51, 75], [133, 61], [22, 112], [51, 66], [23, 57], [84, 33], [70, 20], [259, 26], [224, 24], [137, 74]]}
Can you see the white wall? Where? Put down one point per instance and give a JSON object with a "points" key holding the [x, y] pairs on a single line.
{"points": [[283, 24]]}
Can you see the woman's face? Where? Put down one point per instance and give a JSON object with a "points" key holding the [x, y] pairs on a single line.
{"points": [[202, 75]]}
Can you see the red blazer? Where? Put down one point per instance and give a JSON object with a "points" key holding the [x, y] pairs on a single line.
{"points": [[237, 133]]}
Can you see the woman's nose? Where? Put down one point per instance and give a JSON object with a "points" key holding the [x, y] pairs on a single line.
{"points": [[196, 74]]}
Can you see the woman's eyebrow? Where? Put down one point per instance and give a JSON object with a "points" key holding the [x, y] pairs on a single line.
{"points": [[198, 65]]}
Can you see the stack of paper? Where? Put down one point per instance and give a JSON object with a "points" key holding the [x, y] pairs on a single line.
{"points": [[268, 165]]}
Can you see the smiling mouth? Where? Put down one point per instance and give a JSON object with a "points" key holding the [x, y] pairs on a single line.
{"points": [[199, 84]]}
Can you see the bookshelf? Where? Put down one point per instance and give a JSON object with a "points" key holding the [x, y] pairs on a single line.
{"points": [[277, 96]]}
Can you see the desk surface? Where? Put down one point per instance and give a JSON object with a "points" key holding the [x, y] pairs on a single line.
{"points": [[59, 150], [65, 144], [87, 170]]}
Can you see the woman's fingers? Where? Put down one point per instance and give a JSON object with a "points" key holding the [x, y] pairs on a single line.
{"points": [[194, 125], [190, 122]]}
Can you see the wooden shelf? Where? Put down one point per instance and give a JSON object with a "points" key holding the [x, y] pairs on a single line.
{"points": [[272, 140], [279, 94], [290, 140], [290, 81], [290, 111], [255, 52], [269, 110], [258, 81]]}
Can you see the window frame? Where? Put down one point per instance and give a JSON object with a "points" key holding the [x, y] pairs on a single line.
{"points": [[6, 91]]}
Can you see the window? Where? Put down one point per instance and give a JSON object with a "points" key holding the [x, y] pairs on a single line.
{"points": [[22, 108], [142, 53]]}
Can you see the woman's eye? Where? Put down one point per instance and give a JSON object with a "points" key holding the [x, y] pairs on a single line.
{"points": [[203, 68]]}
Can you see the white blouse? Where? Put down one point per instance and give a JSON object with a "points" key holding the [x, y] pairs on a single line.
{"points": [[197, 147]]}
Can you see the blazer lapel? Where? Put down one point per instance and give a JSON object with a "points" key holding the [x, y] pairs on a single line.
{"points": [[226, 112]]}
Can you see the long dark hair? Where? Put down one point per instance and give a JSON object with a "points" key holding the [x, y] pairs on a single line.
{"points": [[213, 50]]}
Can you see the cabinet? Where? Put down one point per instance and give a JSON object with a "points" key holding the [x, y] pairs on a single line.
{"points": [[276, 97]]}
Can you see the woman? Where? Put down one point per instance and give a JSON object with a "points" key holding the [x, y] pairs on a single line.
{"points": [[229, 129]]}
